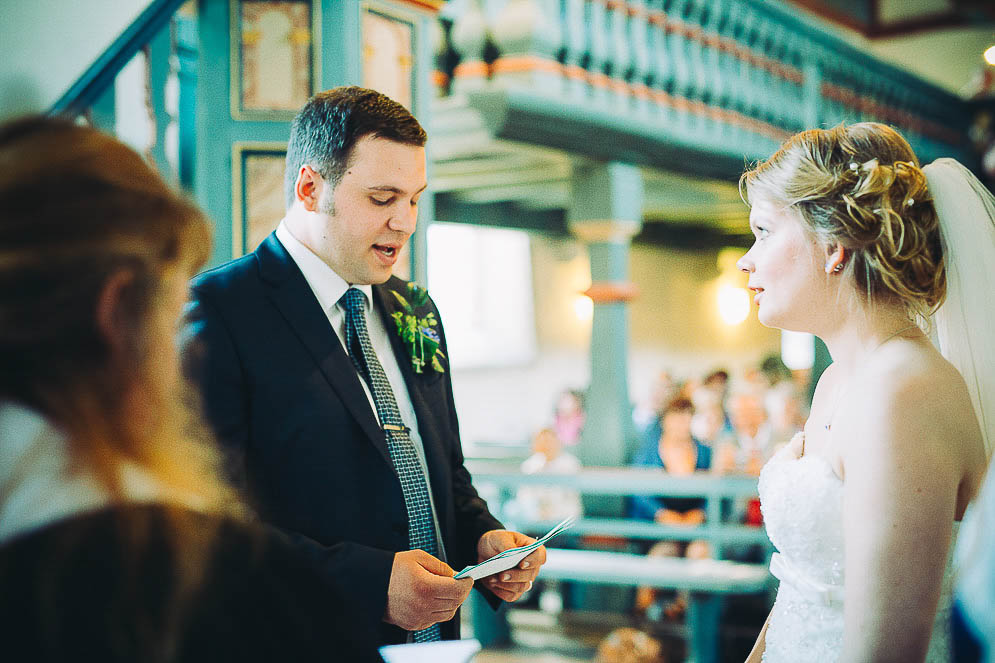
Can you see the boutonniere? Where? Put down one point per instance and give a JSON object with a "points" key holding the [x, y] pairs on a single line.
{"points": [[417, 333]]}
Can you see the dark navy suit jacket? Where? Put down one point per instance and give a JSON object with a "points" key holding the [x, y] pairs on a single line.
{"points": [[287, 404]]}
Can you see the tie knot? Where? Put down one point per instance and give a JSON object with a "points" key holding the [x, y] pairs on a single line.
{"points": [[353, 300]]}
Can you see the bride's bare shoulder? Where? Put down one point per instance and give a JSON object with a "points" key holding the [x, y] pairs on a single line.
{"points": [[911, 387]]}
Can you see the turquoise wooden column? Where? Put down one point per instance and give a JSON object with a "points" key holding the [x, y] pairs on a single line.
{"points": [[606, 213]]}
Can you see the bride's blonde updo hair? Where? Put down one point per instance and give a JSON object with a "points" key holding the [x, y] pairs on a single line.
{"points": [[861, 186]]}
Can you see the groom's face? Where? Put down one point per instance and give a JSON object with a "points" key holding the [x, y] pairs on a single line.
{"points": [[369, 216]]}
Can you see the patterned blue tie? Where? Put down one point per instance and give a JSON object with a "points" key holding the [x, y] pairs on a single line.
{"points": [[421, 528]]}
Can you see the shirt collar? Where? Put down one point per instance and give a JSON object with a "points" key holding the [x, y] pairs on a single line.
{"points": [[42, 484], [327, 285]]}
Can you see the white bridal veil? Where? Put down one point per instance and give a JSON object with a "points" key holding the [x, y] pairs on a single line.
{"points": [[965, 332], [965, 324]]}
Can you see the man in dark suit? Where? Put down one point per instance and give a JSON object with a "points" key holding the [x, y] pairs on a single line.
{"points": [[326, 379]]}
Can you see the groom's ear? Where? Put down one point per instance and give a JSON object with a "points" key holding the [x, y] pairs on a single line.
{"points": [[307, 189]]}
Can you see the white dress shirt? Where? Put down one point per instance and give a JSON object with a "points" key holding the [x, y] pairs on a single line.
{"points": [[328, 287]]}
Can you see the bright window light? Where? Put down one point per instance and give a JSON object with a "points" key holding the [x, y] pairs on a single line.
{"points": [[990, 55], [583, 308], [734, 304], [797, 350], [481, 280]]}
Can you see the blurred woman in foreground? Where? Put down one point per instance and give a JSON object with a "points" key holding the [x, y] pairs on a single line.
{"points": [[118, 539]]}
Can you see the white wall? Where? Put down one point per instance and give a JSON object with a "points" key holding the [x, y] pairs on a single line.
{"points": [[673, 325], [48, 44], [948, 58]]}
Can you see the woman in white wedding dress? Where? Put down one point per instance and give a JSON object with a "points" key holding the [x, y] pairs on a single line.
{"points": [[862, 506]]}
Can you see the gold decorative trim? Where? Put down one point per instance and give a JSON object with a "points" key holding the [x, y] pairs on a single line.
{"points": [[238, 150], [235, 67], [411, 15]]}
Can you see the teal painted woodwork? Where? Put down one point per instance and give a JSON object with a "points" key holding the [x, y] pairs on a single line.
{"points": [[606, 212], [611, 191], [158, 51]]}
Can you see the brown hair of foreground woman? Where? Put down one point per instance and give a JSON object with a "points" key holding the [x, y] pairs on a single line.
{"points": [[95, 252], [119, 539]]}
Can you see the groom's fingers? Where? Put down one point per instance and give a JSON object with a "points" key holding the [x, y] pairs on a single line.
{"points": [[517, 575], [510, 591], [535, 559]]}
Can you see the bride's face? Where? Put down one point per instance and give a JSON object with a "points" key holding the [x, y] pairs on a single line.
{"points": [[785, 268]]}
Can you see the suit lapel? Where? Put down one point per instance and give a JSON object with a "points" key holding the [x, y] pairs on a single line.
{"points": [[291, 294]]}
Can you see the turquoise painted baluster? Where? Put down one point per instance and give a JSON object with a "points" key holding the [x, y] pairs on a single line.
{"points": [[778, 93], [468, 37], [575, 49], [795, 90], [661, 71], [769, 101], [696, 65], [730, 97], [640, 67], [753, 79], [440, 57], [528, 34], [714, 94], [677, 43], [597, 42], [619, 58]]}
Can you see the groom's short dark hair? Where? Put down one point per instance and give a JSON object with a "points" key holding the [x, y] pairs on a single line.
{"points": [[324, 132]]}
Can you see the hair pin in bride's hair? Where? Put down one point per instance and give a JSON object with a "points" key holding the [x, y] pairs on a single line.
{"points": [[910, 202], [854, 166]]}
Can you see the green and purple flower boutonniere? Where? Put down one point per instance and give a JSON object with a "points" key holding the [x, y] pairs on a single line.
{"points": [[418, 333]]}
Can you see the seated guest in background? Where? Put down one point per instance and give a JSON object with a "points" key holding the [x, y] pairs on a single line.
{"points": [[568, 418], [785, 412], [548, 502], [647, 413], [678, 453], [708, 423], [118, 539], [751, 433], [718, 383], [629, 645]]}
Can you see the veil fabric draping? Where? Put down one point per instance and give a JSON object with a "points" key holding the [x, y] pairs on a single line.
{"points": [[964, 324], [963, 328]]}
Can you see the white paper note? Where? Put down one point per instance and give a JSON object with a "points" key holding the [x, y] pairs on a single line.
{"points": [[450, 651], [511, 557]]}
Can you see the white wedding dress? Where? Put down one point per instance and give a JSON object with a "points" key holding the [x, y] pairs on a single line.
{"points": [[802, 504]]}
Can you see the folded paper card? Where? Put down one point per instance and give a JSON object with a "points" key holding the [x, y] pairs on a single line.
{"points": [[511, 557]]}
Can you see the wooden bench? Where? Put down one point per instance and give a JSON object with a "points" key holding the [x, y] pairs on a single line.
{"points": [[628, 481], [707, 581]]}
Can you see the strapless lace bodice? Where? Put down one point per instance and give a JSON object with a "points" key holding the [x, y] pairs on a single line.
{"points": [[802, 504]]}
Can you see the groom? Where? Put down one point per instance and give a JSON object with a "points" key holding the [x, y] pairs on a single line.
{"points": [[342, 432]]}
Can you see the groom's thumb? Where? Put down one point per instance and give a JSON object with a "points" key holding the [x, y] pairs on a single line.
{"points": [[434, 565]]}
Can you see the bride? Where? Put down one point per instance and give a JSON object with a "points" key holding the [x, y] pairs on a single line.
{"points": [[855, 243]]}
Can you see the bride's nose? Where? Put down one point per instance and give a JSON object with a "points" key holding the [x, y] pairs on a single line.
{"points": [[745, 264]]}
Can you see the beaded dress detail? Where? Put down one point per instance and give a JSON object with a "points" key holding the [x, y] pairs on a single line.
{"points": [[802, 504]]}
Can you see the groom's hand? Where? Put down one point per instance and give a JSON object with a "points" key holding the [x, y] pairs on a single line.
{"points": [[422, 591], [511, 584]]}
